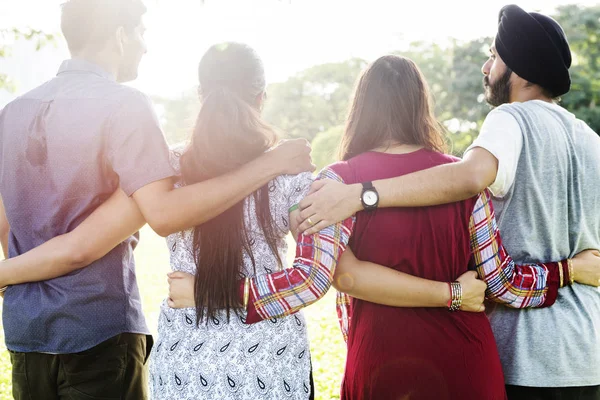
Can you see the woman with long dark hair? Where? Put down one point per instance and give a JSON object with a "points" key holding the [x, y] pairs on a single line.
{"points": [[209, 352]]}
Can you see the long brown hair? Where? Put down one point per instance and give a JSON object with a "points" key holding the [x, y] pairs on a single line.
{"points": [[391, 105], [229, 133]]}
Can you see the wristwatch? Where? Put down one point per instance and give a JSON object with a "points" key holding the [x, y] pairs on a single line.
{"points": [[369, 196]]}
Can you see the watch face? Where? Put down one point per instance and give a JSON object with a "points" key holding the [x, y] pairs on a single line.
{"points": [[370, 198]]}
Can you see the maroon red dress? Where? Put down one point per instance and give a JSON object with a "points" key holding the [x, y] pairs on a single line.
{"points": [[416, 353]]}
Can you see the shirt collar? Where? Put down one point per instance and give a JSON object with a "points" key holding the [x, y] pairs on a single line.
{"points": [[79, 65]]}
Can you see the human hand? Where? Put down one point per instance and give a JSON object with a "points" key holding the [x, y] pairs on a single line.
{"points": [[473, 292], [291, 157], [328, 202], [586, 268], [181, 290]]}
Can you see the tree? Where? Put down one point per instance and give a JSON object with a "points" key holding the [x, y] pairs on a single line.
{"points": [[11, 35], [453, 73], [178, 115], [582, 26], [313, 100], [325, 146]]}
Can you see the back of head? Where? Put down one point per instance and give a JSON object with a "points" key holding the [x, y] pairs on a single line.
{"points": [[89, 24], [535, 47], [391, 105], [229, 133]]}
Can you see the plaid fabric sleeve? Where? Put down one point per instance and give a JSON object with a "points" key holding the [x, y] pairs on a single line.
{"points": [[343, 306], [285, 292], [516, 286]]}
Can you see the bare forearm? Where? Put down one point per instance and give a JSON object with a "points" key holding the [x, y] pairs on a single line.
{"points": [[439, 185], [442, 184], [110, 224], [179, 209], [382, 285], [47, 261]]}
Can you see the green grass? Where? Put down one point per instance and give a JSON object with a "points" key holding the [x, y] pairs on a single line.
{"points": [[152, 263]]}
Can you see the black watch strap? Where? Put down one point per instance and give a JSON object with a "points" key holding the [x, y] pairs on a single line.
{"points": [[368, 187]]}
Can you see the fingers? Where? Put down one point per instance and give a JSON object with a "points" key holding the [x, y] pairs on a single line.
{"points": [[306, 203], [317, 227], [317, 185], [472, 274], [304, 227], [171, 303], [176, 275], [308, 212]]}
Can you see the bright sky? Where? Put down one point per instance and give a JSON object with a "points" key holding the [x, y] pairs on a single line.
{"points": [[290, 35]]}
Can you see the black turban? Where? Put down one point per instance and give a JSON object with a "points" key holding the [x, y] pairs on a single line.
{"points": [[535, 47]]}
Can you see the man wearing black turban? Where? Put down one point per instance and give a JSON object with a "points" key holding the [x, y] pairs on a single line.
{"points": [[535, 48], [541, 164]]}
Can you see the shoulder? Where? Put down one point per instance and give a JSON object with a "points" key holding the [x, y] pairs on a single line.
{"points": [[129, 97], [442, 158], [500, 123], [340, 171], [290, 184], [504, 114]]}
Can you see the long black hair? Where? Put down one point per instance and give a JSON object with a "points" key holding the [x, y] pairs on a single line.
{"points": [[229, 133]]}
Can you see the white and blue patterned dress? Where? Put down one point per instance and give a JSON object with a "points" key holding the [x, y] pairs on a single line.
{"points": [[234, 361]]}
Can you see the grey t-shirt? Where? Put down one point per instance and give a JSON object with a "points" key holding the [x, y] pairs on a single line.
{"points": [[65, 147], [550, 212]]}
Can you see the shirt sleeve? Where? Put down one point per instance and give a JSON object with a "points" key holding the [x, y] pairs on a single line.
{"points": [[516, 286], [501, 135], [298, 188], [137, 149], [285, 292]]}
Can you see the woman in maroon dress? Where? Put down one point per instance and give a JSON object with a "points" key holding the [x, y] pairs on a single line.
{"points": [[410, 353]]}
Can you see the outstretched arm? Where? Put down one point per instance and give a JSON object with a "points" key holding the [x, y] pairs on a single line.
{"points": [[110, 224], [137, 151], [317, 256], [331, 201], [521, 286], [382, 285], [169, 210]]}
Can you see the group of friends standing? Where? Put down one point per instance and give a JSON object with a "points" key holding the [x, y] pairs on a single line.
{"points": [[417, 243]]}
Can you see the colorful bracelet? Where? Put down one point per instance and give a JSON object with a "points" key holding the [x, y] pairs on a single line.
{"points": [[455, 296]]}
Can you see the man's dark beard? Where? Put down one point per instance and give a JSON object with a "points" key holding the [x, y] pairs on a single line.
{"points": [[498, 93]]}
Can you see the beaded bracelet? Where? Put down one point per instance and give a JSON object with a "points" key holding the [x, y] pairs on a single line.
{"points": [[455, 296]]}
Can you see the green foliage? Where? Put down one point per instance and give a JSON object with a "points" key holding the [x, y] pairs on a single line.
{"points": [[313, 103], [313, 100], [178, 115], [11, 35], [582, 26], [325, 146]]}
